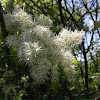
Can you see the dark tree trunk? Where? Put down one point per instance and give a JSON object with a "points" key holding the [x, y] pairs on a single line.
{"points": [[86, 69], [4, 33]]}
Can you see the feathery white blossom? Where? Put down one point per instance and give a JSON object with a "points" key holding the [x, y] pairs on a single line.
{"points": [[39, 48], [40, 70], [12, 40], [43, 21], [28, 50], [68, 38], [11, 22], [70, 72]]}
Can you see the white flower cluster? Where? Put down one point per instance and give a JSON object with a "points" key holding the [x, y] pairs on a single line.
{"points": [[37, 45], [70, 72], [43, 21], [68, 38]]}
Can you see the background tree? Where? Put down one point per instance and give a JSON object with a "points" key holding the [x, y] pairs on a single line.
{"points": [[80, 14]]}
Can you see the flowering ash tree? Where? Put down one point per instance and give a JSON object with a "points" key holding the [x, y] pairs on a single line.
{"points": [[42, 51]]}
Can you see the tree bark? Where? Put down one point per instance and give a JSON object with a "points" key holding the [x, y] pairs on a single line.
{"points": [[4, 33], [86, 69]]}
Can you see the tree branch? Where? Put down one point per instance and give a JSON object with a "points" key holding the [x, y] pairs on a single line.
{"points": [[60, 10], [4, 33], [90, 43]]}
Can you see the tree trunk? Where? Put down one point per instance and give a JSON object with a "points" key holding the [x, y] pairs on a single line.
{"points": [[86, 70]]}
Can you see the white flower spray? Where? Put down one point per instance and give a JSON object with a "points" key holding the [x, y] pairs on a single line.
{"points": [[38, 47]]}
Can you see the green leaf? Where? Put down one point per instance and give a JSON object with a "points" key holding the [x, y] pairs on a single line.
{"points": [[76, 61], [54, 86]]}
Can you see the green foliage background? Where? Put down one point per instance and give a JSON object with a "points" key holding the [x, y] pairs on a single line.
{"points": [[15, 80]]}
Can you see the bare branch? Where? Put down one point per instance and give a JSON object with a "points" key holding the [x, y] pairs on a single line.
{"points": [[61, 14]]}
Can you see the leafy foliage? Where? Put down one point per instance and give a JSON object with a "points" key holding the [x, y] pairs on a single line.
{"points": [[16, 82]]}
